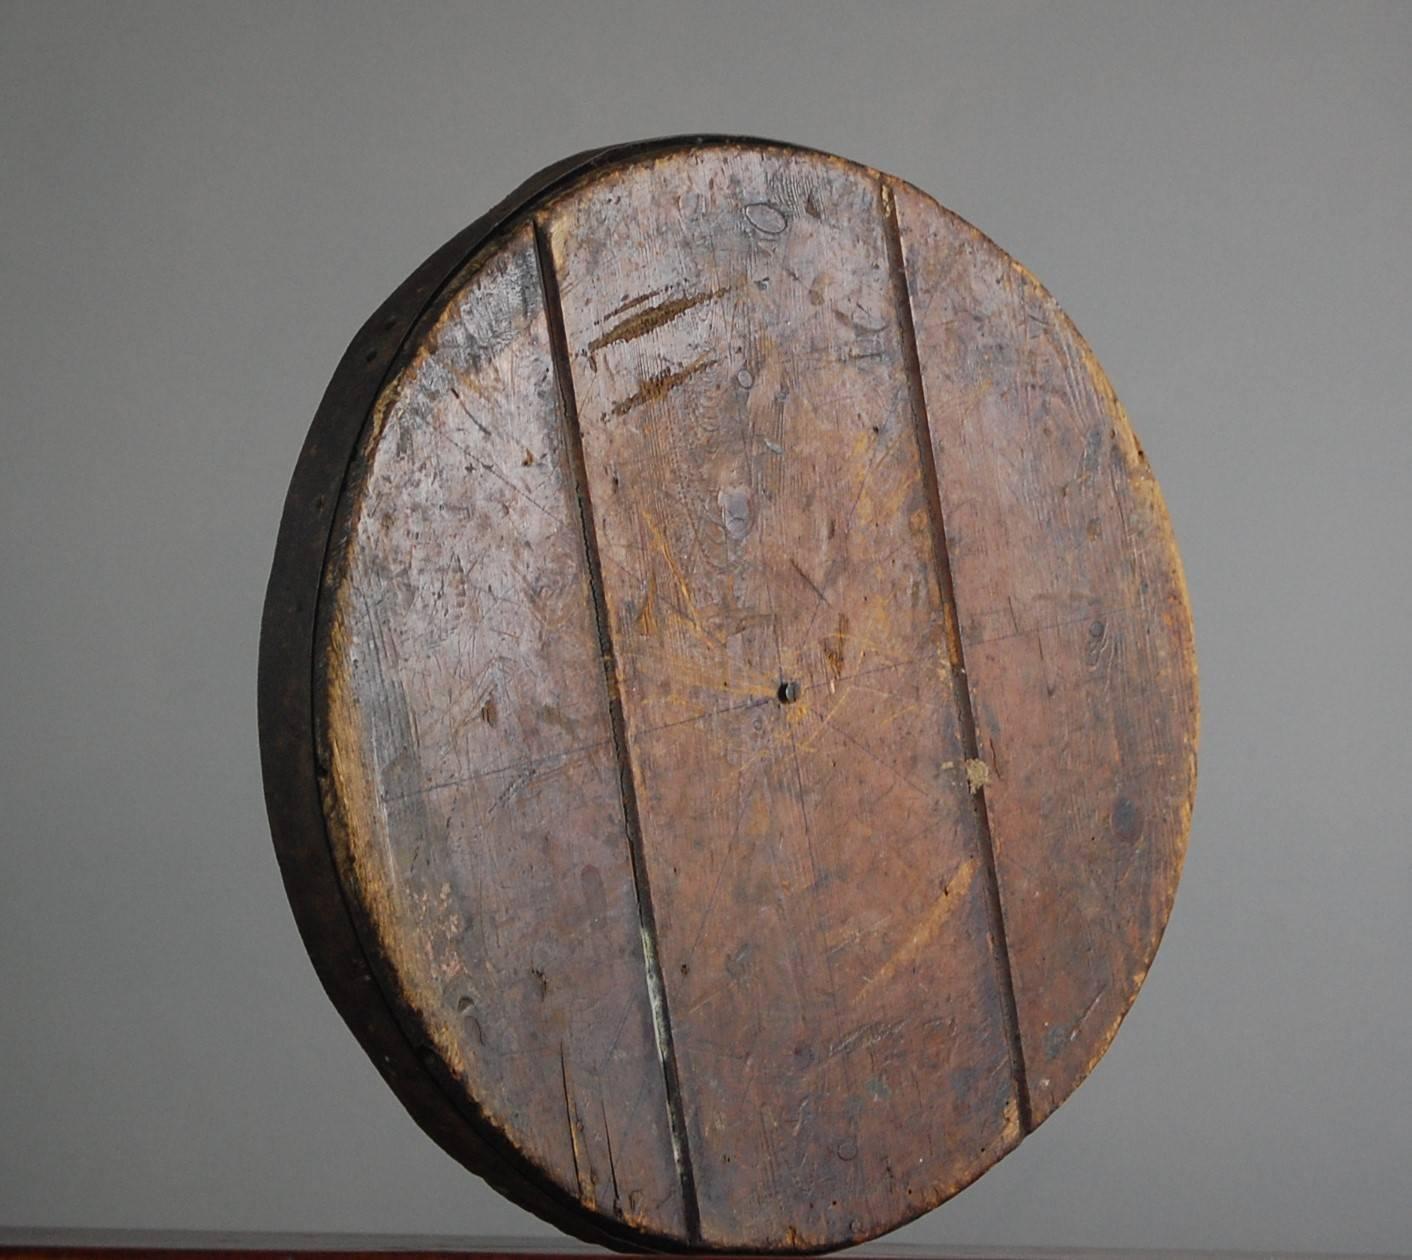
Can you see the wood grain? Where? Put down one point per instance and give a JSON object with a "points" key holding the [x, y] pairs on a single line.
{"points": [[1076, 634], [754, 701], [816, 873], [473, 792]]}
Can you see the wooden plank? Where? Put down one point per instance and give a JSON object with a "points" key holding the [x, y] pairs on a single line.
{"points": [[471, 784], [813, 852], [1076, 637]]}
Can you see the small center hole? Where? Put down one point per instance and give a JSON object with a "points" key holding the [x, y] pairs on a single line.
{"points": [[788, 692]]}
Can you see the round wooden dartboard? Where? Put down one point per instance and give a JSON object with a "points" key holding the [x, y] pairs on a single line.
{"points": [[727, 699]]}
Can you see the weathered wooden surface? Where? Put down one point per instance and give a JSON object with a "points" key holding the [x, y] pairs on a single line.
{"points": [[755, 701], [472, 768], [815, 868], [1076, 635]]}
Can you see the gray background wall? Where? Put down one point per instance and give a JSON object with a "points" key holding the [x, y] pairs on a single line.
{"points": [[200, 203]]}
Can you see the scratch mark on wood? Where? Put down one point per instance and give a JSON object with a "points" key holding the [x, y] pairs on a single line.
{"points": [[612, 1165], [952, 895], [808, 581], [630, 303], [659, 386], [571, 1121], [644, 322]]}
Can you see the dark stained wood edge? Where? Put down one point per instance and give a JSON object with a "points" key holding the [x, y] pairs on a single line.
{"points": [[647, 920], [122, 1244], [960, 684], [339, 943]]}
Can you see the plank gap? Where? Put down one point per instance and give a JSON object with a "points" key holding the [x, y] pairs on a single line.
{"points": [[656, 987], [912, 367]]}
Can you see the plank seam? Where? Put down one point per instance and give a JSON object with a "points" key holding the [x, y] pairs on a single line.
{"points": [[960, 679], [632, 822]]}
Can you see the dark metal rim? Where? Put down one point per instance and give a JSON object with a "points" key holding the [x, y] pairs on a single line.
{"points": [[343, 953]]}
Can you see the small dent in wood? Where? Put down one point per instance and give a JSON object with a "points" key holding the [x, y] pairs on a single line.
{"points": [[1127, 820], [734, 503], [765, 218]]}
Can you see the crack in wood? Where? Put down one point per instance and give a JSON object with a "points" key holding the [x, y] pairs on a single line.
{"points": [[656, 988], [960, 680]]}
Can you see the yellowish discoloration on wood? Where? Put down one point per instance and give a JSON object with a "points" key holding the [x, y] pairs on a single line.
{"points": [[926, 930], [977, 774]]}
